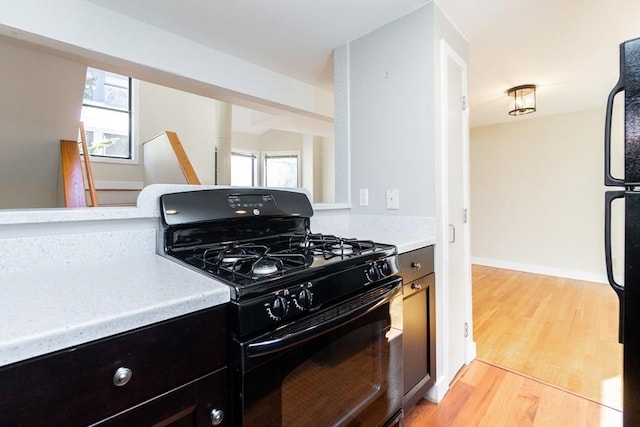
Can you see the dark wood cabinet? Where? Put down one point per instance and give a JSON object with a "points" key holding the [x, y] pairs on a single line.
{"points": [[419, 319], [200, 403], [173, 371]]}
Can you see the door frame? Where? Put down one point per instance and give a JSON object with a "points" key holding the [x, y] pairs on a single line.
{"points": [[447, 53]]}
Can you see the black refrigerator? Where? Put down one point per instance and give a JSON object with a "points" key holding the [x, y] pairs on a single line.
{"points": [[629, 191]]}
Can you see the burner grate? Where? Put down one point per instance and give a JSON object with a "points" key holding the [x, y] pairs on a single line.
{"points": [[329, 246], [249, 261]]}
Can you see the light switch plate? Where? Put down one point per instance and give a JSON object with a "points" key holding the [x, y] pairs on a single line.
{"points": [[364, 197], [393, 199]]}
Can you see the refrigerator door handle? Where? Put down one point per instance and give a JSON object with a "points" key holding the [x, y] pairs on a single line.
{"points": [[610, 196], [609, 180]]}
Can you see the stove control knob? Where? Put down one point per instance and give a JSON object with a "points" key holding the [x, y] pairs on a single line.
{"points": [[385, 268], [373, 274], [278, 307], [303, 299]]}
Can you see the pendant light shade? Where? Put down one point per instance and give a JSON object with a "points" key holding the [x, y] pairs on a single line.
{"points": [[523, 100]]}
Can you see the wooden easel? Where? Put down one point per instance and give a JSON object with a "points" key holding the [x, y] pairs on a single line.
{"points": [[72, 174]]}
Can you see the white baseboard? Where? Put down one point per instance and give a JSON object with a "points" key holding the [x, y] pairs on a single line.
{"points": [[437, 392], [471, 351], [541, 269]]}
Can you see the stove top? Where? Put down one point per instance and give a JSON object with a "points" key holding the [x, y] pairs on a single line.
{"points": [[258, 266]]}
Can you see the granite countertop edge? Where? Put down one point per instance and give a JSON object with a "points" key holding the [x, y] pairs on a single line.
{"points": [[43, 311]]}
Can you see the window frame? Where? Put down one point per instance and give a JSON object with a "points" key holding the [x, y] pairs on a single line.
{"points": [[267, 154], [255, 155], [133, 151]]}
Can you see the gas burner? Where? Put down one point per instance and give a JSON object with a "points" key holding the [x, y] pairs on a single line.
{"points": [[313, 242], [235, 258], [306, 244], [253, 267], [249, 263], [229, 259], [265, 267], [232, 254], [343, 249]]}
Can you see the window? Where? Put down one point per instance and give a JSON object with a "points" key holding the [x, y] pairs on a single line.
{"points": [[244, 166], [106, 114], [281, 170]]}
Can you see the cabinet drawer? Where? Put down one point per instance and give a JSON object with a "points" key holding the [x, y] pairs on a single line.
{"points": [[418, 285], [76, 386], [416, 263]]}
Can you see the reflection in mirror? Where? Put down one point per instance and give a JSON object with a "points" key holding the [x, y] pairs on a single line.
{"points": [[40, 104]]}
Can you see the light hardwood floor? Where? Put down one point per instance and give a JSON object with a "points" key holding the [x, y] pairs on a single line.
{"points": [[561, 331], [485, 395], [548, 355]]}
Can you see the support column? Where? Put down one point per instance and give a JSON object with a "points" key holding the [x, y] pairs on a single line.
{"points": [[307, 164], [223, 144]]}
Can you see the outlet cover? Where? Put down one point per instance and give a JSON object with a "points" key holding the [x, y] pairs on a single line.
{"points": [[364, 197], [393, 199]]}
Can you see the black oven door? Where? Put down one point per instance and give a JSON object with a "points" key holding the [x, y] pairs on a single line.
{"points": [[341, 367]]}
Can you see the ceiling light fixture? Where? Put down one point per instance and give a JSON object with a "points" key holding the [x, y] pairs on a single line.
{"points": [[524, 100]]}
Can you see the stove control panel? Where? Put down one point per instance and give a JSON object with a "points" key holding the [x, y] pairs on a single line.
{"points": [[300, 297], [251, 201], [379, 270], [294, 301], [221, 204]]}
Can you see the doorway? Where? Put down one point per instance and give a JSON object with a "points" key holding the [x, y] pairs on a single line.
{"points": [[459, 348]]}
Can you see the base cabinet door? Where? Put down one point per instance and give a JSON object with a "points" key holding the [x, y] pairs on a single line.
{"points": [[419, 317], [415, 338]]}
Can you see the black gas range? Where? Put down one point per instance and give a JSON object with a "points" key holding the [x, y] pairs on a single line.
{"points": [[260, 244], [293, 289]]}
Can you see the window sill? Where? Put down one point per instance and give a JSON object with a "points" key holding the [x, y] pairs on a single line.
{"points": [[113, 160]]}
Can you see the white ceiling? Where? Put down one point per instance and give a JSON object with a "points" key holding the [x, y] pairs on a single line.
{"points": [[569, 48]]}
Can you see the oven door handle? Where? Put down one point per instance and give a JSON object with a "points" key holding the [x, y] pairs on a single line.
{"points": [[310, 329]]}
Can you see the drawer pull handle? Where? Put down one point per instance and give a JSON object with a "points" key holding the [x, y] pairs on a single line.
{"points": [[415, 287], [122, 376], [416, 265], [217, 416]]}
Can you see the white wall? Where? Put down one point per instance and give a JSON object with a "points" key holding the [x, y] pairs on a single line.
{"points": [[192, 117], [278, 140], [328, 168], [245, 141], [391, 115], [40, 102], [537, 195], [323, 170]]}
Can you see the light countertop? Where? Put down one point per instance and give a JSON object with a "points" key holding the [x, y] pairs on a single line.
{"points": [[405, 242], [49, 309], [406, 233]]}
